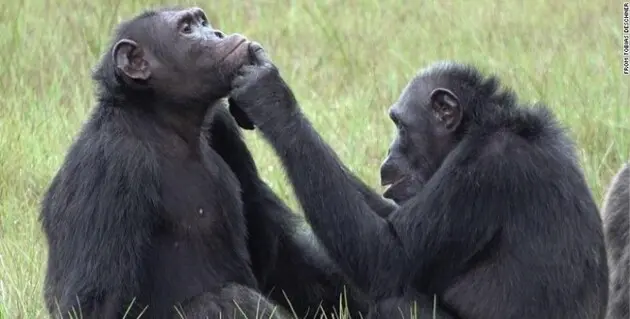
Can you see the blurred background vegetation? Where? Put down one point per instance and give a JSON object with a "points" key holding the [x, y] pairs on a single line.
{"points": [[347, 61]]}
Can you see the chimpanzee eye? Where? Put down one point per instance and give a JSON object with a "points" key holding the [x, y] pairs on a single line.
{"points": [[186, 28]]}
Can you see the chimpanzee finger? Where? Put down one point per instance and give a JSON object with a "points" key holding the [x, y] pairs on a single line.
{"points": [[242, 75], [243, 70], [238, 81], [258, 54]]}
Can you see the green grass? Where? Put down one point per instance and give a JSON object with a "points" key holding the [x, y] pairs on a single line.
{"points": [[347, 61]]}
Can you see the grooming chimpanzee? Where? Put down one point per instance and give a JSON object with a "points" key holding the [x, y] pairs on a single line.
{"points": [[616, 211], [495, 216]]}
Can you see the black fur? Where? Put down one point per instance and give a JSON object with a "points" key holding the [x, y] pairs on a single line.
{"points": [[495, 215], [616, 211]]}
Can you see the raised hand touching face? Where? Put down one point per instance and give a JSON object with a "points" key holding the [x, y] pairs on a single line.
{"points": [[260, 93]]}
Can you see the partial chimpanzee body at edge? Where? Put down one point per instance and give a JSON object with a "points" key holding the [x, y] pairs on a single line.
{"points": [[495, 215], [151, 211], [616, 212]]}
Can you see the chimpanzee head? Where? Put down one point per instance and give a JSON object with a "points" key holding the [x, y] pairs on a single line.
{"points": [[173, 55], [428, 116]]}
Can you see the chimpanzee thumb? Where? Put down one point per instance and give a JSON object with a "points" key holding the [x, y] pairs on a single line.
{"points": [[240, 116]]}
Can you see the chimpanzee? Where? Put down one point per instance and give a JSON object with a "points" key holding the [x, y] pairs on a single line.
{"points": [[616, 211], [141, 208], [145, 216], [495, 217]]}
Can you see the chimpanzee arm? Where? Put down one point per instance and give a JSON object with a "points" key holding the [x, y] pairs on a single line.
{"points": [[348, 249], [445, 228], [381, 206], [103, 200], [363, 243], [286, 257]]}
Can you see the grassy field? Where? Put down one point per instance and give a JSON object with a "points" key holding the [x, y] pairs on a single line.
{"points": [[347, 61]]}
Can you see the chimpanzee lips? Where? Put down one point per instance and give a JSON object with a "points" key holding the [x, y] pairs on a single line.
{"points": [[394, 183], [391, 187], [238, 44]]}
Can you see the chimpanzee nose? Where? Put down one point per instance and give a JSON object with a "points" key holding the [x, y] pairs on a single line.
{"points": [[219, 34]]}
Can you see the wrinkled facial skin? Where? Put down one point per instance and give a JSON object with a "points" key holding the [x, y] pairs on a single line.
{"points": [[187, 57], [419, 146]]}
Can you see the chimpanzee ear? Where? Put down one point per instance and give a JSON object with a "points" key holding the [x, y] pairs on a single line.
{"points": [[130, 60], [240, 116], [446, 107]]}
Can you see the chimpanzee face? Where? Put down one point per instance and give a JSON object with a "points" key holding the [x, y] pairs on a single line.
{"points": [[178, 54], [426, 117]]}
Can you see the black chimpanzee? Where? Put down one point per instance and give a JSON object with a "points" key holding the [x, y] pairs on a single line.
{"points": [[616, 211], [141, 208], [495, 216], [147, 212]]}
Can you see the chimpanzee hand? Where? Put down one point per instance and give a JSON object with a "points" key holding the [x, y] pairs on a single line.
{"points": [[260, 92]]}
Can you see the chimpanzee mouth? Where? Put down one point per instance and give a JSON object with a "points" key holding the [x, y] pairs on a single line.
{"points": [[394, 183], [392, 187], [233, 49], [238, 45]]}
